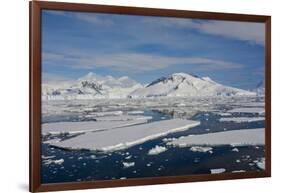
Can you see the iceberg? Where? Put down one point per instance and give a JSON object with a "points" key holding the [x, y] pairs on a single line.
{"points": [[124, 137], [85, 126], [242, 137], [157, 150]]}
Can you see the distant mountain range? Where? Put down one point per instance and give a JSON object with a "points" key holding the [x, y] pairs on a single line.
{"points": [[260, 89], [93, 86]]}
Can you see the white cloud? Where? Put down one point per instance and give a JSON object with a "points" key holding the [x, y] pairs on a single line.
{"points": [[245, 31], [54, 78], [135, 62], [93, 19], [85, 17]]}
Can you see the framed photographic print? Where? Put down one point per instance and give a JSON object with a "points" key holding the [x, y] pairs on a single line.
{"points": [[123, 96]]}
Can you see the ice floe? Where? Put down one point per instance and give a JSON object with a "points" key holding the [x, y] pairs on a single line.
{"points": [[238, 171], [256, 110], [124, 137], [168, 139], [128, 157], [157, 150], [48, 157], [49, 161], [260, 163], [128, 164], [148, 164], [135, 112], [201, 149], [234, 137], [85, 126], [217, 171], [241, 119], [51, 141], [123, 118], [223, 114], [109, 113]]}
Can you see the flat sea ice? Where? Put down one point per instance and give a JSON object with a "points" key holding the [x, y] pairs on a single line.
{"points": [[108, 113], [241, 119], [222, 114], [234, 137], [124, 137], [85, 126], [135, 112], [123, 118], [257, 110]]}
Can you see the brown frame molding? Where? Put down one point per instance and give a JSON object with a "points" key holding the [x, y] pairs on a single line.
{"points": [[35, 94]]}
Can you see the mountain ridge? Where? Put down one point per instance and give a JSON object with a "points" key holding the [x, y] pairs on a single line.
{"points": [[92, 86]]}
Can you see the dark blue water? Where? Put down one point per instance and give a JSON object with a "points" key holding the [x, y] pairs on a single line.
{"points": [[86, 165]]}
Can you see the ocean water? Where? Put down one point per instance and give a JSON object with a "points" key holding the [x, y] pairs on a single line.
{"points": [[92, 166]]}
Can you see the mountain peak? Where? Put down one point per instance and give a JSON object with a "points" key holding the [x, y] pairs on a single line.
{"points": [[187, 85], [182, 74], [93, 86], [89, 76]]}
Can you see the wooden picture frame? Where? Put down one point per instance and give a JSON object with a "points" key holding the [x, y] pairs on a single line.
{"points": [[35, 94]]}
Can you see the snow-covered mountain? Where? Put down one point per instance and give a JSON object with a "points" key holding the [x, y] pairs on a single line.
{"points": [[93, 86], [187, 85], [260, 89]]}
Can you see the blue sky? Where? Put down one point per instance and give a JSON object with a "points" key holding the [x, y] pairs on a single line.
{"points": [[146, 48]]}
